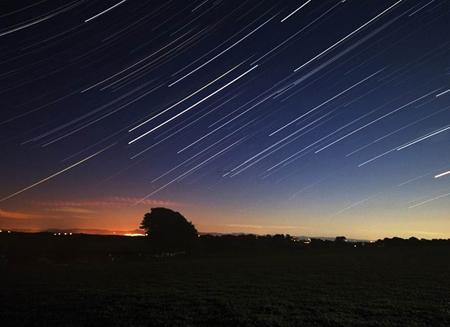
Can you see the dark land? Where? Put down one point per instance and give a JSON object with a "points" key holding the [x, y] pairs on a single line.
{"points": [[85, 280]]}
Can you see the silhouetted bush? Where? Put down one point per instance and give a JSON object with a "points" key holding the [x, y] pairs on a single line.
{"points": [[340, 239], [168, 230]]}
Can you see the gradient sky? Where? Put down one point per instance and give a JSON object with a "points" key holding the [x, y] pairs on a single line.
{"points": [[303, 117]]}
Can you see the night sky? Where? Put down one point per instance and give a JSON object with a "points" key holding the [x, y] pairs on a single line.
{"points": [[310, 117]]}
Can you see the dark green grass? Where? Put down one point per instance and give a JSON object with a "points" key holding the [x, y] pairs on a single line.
{"points": [[306, 287]]}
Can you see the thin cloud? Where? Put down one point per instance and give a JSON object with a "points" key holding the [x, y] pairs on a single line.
{"points": [[116, 202], [17, 215], [264, 226], [72, 210]]}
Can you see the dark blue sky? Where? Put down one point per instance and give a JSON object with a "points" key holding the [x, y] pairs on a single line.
{"points": [[300, 117]]}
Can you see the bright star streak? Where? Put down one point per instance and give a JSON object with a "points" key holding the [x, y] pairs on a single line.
{"points": [[425, 5], [377, 157], [356, 204], [292, 13], [194, 105], [272, 146], [346, 37], [321, 118], [319, 140], [442, 93], [374, 121], [429, 200], [190, 170], [202, 151], [37, 21], [102, 117], [396, 131], [179, 130], [104, 11], [133, 65], [221, 53], [224, 124], [294, 35], [420, 139], [401, 147], [413, 179], [186, 98], [442, 174], [55, 174], [327, 101], [345, 51], [212, 50], [199, 5]]}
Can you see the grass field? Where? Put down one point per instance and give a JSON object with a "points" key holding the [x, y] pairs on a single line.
{"points": [[308, 287]]}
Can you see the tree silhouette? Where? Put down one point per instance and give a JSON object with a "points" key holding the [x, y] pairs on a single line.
{"points": [[169, 230]]}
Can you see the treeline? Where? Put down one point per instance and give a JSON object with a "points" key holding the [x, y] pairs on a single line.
{"points": [[288, 242], [47, 247], [81, 247]]}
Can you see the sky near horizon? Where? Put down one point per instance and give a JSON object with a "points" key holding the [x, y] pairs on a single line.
{"points": [[317, 118]]}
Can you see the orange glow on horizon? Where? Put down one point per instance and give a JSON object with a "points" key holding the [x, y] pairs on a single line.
{"points": [[118, 217]]}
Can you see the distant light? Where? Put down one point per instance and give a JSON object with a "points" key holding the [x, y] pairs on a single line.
{"points": [[65, 233], [9, 231], [70, 233]]}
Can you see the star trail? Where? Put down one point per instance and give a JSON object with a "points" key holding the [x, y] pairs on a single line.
{"points": [[252, 113]]}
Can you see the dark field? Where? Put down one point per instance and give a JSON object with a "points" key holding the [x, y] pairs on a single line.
{"points": [[366, 286]]}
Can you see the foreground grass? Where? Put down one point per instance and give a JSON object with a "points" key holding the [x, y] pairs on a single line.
{"points": [[309, 287]]}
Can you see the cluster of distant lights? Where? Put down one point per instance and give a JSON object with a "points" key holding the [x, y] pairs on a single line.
{"points": [[70, 234], [126, 234]]}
